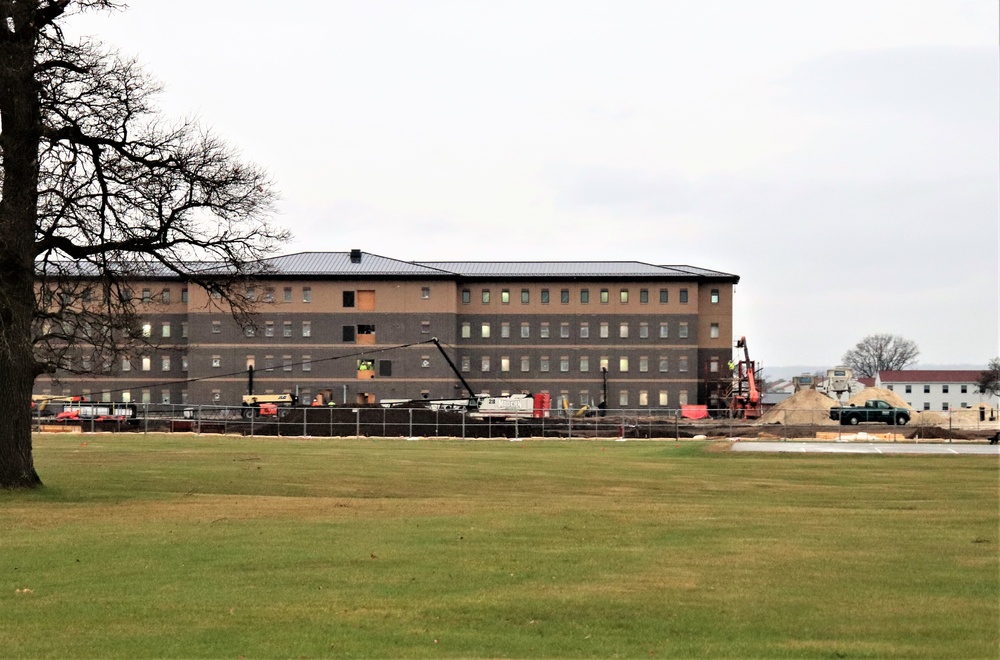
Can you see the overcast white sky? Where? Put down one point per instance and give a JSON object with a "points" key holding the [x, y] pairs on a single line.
{"points": [[840, 157]]}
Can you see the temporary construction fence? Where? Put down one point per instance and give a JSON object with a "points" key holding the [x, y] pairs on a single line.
{"points": [[410, 422]]}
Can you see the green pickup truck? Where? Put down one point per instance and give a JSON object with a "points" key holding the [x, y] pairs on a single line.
{"points": [[874, 410]]}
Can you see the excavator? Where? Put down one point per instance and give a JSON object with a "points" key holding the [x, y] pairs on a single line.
{"points": [[745, 402]]}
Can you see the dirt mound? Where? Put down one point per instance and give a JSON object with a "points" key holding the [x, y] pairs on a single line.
{"points": [[869, 393], [971, 415], [928, 418], [803, 407]]}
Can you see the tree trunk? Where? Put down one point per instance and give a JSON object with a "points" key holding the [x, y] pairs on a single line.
{"points": [[20, 130]]}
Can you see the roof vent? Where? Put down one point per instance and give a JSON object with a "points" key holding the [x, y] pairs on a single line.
{"points": [[355, 256]]}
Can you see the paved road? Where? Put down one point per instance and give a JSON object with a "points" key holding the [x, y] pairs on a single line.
{"points": [[868, 448]]}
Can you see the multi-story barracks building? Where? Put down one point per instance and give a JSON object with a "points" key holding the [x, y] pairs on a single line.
{"points": [[360, 325]]}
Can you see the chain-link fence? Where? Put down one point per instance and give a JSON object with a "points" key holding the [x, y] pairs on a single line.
{"points": [[410, 422]]}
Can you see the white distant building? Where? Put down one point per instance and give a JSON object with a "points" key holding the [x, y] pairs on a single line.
{"points": [[937, 390]]}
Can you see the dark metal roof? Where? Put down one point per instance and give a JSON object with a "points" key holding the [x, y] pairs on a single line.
{"points": [[340, 263], [497, 269]]}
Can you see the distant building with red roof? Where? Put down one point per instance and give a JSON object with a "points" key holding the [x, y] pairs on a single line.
{"points": [[935, 389]]}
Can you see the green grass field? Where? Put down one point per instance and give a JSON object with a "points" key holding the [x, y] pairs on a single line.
{"points": [[178, 546]]}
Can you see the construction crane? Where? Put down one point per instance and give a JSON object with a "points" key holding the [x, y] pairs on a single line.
{"points": [[745, 402]]}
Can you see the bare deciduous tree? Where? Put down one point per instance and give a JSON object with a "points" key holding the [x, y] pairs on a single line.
{"points": [[881, 352], [989, 380], [97, 188]]}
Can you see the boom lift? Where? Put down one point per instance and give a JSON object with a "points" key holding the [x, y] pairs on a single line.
{"points": [[745, 402]]}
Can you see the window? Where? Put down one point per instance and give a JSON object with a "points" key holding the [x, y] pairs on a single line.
{"points": [[683, 296], [307, 329], [466, 296], [944, 407], [604, 296], [643, 398], [584, 330], [165, 397], [504, 296], [147, 295], [623, 398], [623, 364], [286, 362], [545, 296], [715, 296], [713, 331], [485, 330], [944, 389], [184, 363], [466, 330], [525, 330], [664, 364], [306, 363], [927, 405], [425, 361], [927, 389], [623, 296], [682, 397], [584, 363], [268, 328], [251, 294], [682, 363], [643, 364], [505, 330], [909, 389], [584, 296], [564, 363], [425, 327], [604, 333], [683, 331], [584, 397], [147, 363], [564, 330], [348, 333], [216, 327], [164, 296], [307, 294], [965, 389], [525, 363], [543, 363], [564, 296], [385, 368], [165, 329], [664, 398], [287, 294], [643, 296], [425, 292], [269, 294], [216, 361], [713, 365], [466, 363], [623, 330], [643, 330], [250, 330], [604, 363], [486, 296], [543, 331], [147, 329], [504, 363], [525, 297], [664, 330], [184, 295], [286, 328], [485, 363], [348, 298]]}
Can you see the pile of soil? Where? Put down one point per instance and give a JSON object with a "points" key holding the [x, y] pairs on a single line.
{"points": [[803, 407], [869, 393], [928, 418], [971, 415]]}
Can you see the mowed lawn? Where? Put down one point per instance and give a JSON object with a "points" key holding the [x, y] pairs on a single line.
{"points": [[224, 547]]}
